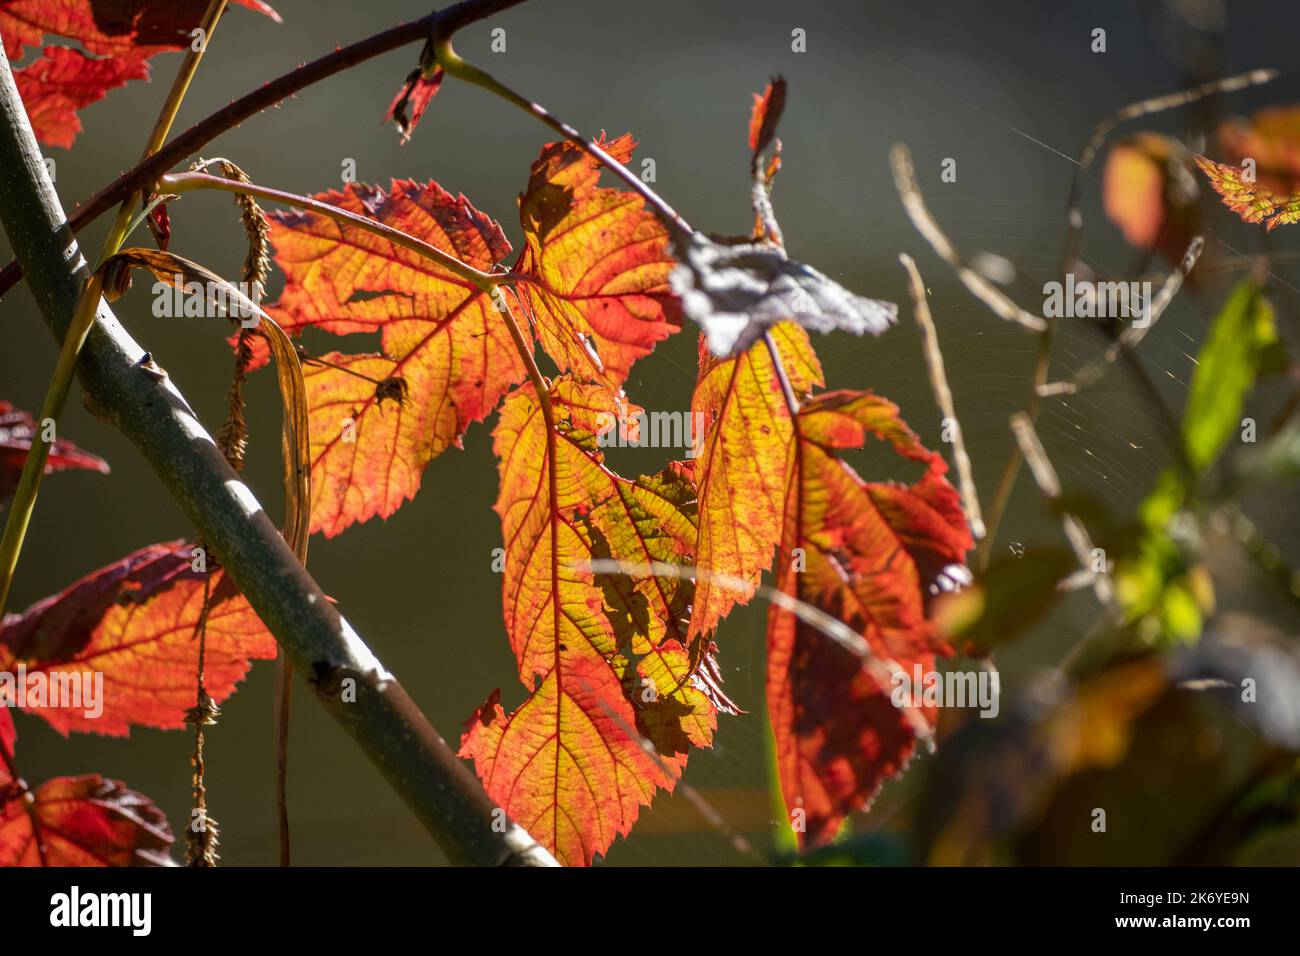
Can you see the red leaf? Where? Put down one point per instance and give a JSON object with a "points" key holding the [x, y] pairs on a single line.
{"points": [[412, 100], [84, 821], [62, 82], [119, 34], [17, 429], [870, 554], [133, 623], [600, 263], [8, 735]]}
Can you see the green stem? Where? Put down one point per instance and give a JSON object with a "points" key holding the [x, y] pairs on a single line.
{"points": [[56, 396]]}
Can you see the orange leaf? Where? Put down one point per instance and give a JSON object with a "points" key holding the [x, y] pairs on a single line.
{"points": [[871, 554], [84, 821], [447, 356], [571, 763], [120, 37], [133, 625], [600, 263], [742, 468], [1150, 192]]}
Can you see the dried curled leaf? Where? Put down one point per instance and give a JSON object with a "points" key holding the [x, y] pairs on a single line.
{"points": [[118, 38], [599, 265], [132, 624], [17, 431], [413, 99], [870, 555], [607, 724], [735, 292], [766, 114], [445, 347]]}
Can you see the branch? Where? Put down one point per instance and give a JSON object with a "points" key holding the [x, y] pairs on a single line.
{"points": [[205, 131], [152, 413]]}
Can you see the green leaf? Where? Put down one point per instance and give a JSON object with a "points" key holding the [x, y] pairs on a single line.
{"points": [[1242, 342]]}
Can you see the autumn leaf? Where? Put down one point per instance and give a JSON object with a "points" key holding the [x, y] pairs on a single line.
{"points": [[1149, 191], [766, 114], [870, 555], [413, 99], [7, 737], [742, 469], [17, 431], [62, 82], [598, 263], [134, 622], [84, 821], [607, 723], [119, 36], [1253, 197], [377, 419]]}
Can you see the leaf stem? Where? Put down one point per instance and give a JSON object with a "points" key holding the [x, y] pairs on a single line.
{"points": [[189, 182], [451, 62]]}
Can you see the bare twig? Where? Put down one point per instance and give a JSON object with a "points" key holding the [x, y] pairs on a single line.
{"points": [[1050, 485], [1133, 334], [905, 180], [943, 397], [1156, 104]]}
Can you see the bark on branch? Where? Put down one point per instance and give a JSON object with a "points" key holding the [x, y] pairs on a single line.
{"points": [[119, 387]]}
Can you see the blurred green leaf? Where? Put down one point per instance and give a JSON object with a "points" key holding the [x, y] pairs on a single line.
{"points": [[1241, 345], [1163, 588]]}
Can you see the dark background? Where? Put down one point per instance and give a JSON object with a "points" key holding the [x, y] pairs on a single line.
{"points": [[1011, 90]]}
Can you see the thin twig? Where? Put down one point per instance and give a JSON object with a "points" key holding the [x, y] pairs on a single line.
{"points": [[56, 396], [1156, 104], [1133, 334], [943, 397], [450, 61], [914, 203], [1050, 485], [188, 182]]}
